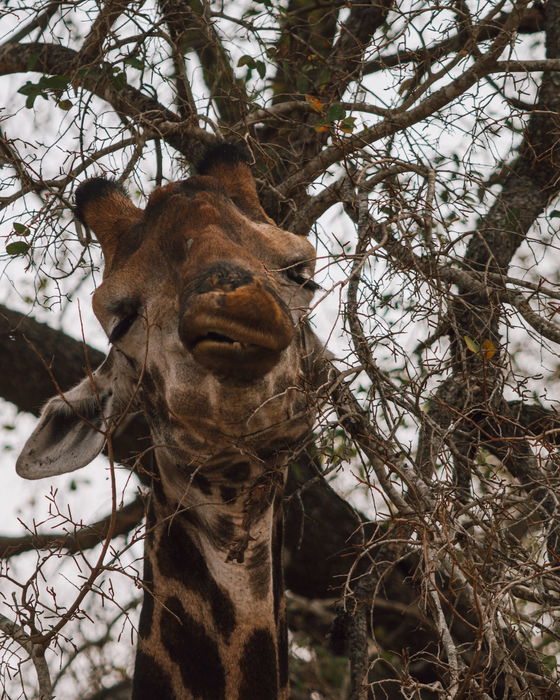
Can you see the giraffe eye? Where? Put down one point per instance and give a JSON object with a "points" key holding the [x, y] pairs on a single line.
{"points": [[122, 327], [300, 274]]}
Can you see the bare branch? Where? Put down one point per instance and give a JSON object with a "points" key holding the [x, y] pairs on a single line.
{"points": [[399, 120], [36, 654], [40, 21], [91, 51], [126, 519], [128, 101], [192, 28], [532, 21]]}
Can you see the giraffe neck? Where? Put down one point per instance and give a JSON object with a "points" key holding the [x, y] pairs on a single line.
{"points": [[212, 624]]}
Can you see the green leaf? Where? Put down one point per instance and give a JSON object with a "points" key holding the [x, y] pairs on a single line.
{"points": [[335, 113], [261, 68], [21, 229], [55, 82], [470, 343], [17, 248], [42, 88], [348, 125], [246, 60], [30, 89], [555, 214], [65, 105], [30, 101], [26, 87], [324, 77], [134, 62]]}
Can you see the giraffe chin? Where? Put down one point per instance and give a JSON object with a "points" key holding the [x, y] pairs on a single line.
{"points": [[234, 361]]}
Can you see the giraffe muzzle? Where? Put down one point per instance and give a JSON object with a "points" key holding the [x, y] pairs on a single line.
{"points": [[238, 334]]}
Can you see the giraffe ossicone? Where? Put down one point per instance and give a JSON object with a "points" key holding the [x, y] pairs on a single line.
{"points": [[203, 300]]}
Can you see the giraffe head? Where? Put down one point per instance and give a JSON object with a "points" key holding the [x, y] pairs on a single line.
{"points": [[202, 301]]}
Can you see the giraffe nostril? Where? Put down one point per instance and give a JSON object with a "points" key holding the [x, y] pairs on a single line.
{"points": [[223, 276]]}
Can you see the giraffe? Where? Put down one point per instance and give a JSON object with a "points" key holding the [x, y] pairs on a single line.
{"points": [[203, 301]]}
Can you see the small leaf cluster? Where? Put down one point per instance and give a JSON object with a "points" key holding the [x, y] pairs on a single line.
{"points": [[252, 64], [45, 87], [19, 247], [334, 115]]}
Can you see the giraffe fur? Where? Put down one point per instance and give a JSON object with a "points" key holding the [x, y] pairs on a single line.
{"points": [[204, 303]]}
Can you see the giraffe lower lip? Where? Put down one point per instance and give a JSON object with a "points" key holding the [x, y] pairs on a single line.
{"points": [[232, 359], [249, 341], [233, 347]]}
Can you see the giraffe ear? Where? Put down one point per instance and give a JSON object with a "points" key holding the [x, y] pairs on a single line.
{"points": [[229, 164], [71, 429], [104, 207]]}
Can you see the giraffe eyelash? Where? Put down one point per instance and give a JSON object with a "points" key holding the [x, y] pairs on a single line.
{"points": [[122, 327], [298, 274]]}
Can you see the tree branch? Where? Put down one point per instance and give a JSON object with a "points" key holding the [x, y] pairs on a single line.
{"points": [[40, 21], [126, 519], [192, 29], [397, 120], [36, 654], [126, 101], [356, 33], [532, 21], [92, 47]]}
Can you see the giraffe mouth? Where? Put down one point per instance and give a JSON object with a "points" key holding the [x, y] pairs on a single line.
{"points": [[234, 344], [219, 341], [213, 337], [230, 334], [229, 359], [231, 350], [237, 335]]}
